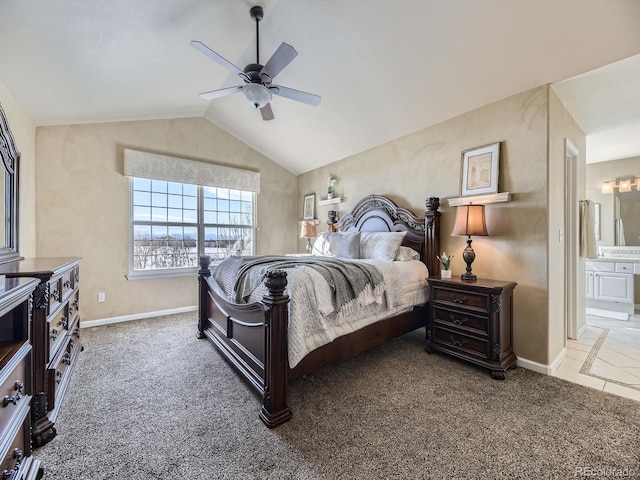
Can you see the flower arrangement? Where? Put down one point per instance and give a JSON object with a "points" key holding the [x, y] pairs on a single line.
{"points": [[445, 260], [331, 183]]}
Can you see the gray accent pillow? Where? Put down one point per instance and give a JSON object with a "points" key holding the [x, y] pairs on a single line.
{"points": [[338, 244], [380, 245]]}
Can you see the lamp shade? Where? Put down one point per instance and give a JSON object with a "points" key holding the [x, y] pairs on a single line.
{"points": [[470, 221], [257, 94], [308, 230]]}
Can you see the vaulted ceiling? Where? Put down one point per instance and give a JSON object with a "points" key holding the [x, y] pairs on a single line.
{"points": [[383, 68]]}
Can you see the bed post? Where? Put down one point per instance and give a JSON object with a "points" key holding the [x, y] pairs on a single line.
{"points": [[203, 299], [432, 236], [275, 410]]}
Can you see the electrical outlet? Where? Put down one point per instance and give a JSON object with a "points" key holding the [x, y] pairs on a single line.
{"points": [[101, 297]]}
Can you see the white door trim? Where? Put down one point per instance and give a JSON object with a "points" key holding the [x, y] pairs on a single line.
{"points": [[571, 222]]}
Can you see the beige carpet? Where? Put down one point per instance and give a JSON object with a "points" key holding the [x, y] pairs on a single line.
{"points": [[148, 401]]}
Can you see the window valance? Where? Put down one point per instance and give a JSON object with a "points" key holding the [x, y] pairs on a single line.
{"points": [[173, 169]]}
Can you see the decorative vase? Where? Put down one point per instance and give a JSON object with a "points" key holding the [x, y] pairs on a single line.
{"points": [[445, 273]]}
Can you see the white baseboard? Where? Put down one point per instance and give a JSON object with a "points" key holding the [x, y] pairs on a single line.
{"points": [[531, 365], [136, 316], [614, 315]]}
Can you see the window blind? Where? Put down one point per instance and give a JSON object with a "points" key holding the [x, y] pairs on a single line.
{"points": [[173, 169]]}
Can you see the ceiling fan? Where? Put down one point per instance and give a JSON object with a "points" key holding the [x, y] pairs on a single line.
{"points": [[258, 86]]}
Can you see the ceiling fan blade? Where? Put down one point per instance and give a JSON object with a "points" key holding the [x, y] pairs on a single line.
{"points": [[297, 95], [223, 92], [267, 113], [280, 59], [202, 48]]}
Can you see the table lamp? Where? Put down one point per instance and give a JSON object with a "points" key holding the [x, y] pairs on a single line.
{"points": [[469, 221], [308, 231]]}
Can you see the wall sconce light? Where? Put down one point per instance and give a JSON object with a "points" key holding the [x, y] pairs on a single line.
{"points": [[469, 221], [623, 184], [607, 187]]}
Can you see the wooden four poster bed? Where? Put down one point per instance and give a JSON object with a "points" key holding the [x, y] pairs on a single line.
{"points": [[253, 337]]}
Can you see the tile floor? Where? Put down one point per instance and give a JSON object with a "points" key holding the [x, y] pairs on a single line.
{"points": [[606, 357]]}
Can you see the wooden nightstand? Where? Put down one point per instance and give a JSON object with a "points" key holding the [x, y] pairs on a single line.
{"points": [[473, 321]]}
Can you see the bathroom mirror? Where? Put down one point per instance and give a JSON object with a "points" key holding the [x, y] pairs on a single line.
{"points": [[619, 211], [9, 193]]}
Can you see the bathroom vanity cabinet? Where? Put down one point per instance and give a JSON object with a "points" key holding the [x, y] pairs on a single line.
{"points": [[610, 284]]}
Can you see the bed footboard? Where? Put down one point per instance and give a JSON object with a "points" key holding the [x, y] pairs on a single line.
{"points": [[251, 337]]}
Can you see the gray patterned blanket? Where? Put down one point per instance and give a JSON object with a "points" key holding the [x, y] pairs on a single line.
{"points": [[329, 297], [347, 280]]}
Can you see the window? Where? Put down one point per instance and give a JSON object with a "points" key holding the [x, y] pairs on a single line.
{"points": [[173, 223]]}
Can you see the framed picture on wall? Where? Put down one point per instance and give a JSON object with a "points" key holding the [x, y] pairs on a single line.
{"points": [[480, 170], [309, 207]]}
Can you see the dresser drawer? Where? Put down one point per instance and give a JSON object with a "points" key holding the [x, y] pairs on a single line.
{"points": [[461, 298], [74, 304], [57, 331], [461, 342], [14, 457], [60, 370], [68, 282], [462, 320], [14, 394]]}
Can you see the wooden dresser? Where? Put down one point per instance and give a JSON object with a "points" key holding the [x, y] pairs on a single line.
{"points": [[472, 320], [16, 381], [55, 335]]}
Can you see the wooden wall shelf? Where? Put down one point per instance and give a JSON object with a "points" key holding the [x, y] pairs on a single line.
{"points": [[480, 199], [330, 201]]}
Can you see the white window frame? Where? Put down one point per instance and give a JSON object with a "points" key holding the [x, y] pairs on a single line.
{"points": [[200, 227]]}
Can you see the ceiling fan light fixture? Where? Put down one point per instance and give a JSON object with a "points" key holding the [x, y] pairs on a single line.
{"points": [[257, 94]]}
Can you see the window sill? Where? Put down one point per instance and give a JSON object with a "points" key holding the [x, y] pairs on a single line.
{"points": [[153, 274]]}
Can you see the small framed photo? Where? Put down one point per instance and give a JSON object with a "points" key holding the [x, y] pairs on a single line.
{"points": [[309, 207], [480, 170]]}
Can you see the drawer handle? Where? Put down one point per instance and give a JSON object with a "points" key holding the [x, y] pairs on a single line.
{"points": [[458, 321], [66, 359], [19, 387], [458, 300], [64, 321], [457, 343], [58, 376], [67, 284], [54, 334], [56, 295], [76, 303], [18, 456]]}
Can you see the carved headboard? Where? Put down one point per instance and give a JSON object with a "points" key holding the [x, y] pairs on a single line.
{"points": [[376, 213]]}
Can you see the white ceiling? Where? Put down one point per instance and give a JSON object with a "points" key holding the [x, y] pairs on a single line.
{"points": [[384, 69]]}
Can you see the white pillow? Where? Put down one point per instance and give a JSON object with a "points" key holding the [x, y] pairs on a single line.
{"points": [[380, 245], [406, 254], [337, 244]]}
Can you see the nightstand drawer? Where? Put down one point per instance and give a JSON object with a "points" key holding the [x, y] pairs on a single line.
{"points": [[461, 298], [464, 320], [458, 341]]}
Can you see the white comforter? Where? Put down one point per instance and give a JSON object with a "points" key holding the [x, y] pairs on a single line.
{"points": [[313, 322]]}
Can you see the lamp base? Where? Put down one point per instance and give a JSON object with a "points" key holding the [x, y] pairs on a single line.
{"points": [[468, 255], [309, 246]]}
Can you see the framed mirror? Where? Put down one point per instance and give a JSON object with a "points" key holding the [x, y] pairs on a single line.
{"points": [[9, 193]]}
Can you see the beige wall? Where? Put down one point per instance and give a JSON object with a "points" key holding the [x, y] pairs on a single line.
{"points": [[24, 134], [83, 204], [427, 163], [561, 127]]}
